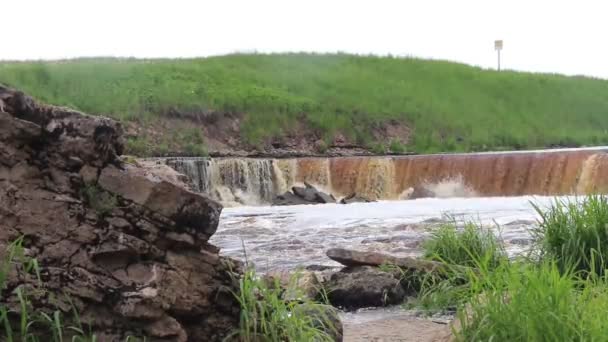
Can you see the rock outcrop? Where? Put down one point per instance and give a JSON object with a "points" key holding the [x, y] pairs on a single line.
{"points": [[126, 246]]}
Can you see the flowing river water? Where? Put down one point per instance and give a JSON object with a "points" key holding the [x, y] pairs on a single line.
{"points": [[292, 236], [496, 190]]}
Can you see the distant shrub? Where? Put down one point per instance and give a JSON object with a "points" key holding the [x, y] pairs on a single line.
{"points": [[378, 148], [397, 146], [192, 142], [322, 147], [195, 150], [137, 146]]}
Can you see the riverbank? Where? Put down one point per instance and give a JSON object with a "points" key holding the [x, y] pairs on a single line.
{"points": [[304, 104], [557, 277]]}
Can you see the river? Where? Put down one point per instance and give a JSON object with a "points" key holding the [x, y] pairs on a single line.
{"points": [[289, 237], [292, 236]]}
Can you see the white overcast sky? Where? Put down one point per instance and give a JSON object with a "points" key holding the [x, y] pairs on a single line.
{"points": [[569, 37]]}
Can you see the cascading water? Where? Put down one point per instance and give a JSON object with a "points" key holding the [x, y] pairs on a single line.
{"points": [[233, 180], [256, 181], [196, 169]]}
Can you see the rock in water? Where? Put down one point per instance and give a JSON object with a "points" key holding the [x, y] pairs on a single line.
{"points": [[362, 287], [289, 199], [350, 258], [128, 247], [421, 192], [308, 194], [322, 197], [353, 198], [303, 195]]}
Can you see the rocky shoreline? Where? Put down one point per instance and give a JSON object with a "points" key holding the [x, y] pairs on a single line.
{"points": [[367, 280], [125, 244]]}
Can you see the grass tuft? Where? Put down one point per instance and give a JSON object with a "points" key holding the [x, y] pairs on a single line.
{"points": [[574, 233], [559, 294], [266, 316], [528, 302], [471, 246]]}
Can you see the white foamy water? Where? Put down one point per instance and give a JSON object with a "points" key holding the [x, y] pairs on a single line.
{"points": [[287, 237]]}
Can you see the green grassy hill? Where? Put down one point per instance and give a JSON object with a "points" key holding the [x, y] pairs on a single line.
{"points": [[449, 106]]}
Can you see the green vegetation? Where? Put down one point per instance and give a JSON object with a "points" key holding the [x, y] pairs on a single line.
{"points": [[397, 146], [471, 246], [530, 302], [450, 106], [557, 294], [575, 234], [267, 316]]}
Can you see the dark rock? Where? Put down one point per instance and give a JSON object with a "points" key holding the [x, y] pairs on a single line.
{"points": [[307, 194], [352, 258], [319, 268], [521, 223], [289, 199], [322, 197], [363, 286], [309, 186], [421, 192], [303, 195], [353, 198], [144, 267]]}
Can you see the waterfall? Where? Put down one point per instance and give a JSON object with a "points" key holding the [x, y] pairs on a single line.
{"points": [[233, 180], [256, 181], [196, 169]]}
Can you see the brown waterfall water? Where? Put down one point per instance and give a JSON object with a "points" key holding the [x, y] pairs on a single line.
{"points": [[257, 181]]}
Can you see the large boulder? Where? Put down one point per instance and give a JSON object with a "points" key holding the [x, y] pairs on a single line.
{"points": [[364, 286], [126, 247]]}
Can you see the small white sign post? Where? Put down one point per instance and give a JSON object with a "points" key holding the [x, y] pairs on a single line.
{"points": [[498, 47]]}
